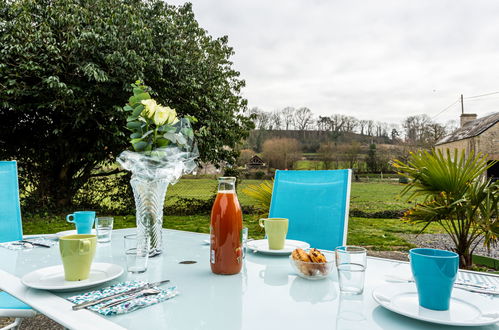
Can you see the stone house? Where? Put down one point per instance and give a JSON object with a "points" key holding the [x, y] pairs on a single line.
{"points": [[475, 135]]}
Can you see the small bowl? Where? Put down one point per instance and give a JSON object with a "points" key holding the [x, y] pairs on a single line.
{"points": [[313, 270]]}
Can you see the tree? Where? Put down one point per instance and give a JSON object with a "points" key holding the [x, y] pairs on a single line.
{"points": [[276, 120], [281, 153], [455, 196], [303, 118], [328, 153], [288, 116], [65, 71], [261, 118], [372, 158], [351, 153], [244, 156]]}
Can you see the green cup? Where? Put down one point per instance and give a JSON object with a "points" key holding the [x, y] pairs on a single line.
{"points": [[77, 253], [276, 230]]}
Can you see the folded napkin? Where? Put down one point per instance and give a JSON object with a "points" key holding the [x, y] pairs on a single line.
{"points": [[16, 245], [127, 306]]}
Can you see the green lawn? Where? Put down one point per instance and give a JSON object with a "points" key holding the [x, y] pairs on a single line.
{"points": [[366, 196], [377, 234]]}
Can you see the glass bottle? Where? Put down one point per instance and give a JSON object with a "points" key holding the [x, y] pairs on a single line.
{"points": [[226, 254]]}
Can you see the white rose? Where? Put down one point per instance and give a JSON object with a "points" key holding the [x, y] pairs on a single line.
{"points": [[165, 115], [150, 108]]}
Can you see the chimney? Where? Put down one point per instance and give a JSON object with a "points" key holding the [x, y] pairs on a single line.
{"points": [[467, 117]]}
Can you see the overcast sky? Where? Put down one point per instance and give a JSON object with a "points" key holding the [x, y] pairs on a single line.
{"points": [[382, 60]]}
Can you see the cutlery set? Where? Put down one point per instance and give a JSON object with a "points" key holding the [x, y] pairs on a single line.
{"points": [[28, 243], [472, 287], [141, 291]]}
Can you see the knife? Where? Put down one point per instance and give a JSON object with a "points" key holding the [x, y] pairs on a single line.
{"points": [[127, 292], [484, 291], [35, 244]]}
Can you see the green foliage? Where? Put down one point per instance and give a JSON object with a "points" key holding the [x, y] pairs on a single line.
{"points": [[154, 126], [65, 68], [262, 194], [456, 196], [372, 161]]}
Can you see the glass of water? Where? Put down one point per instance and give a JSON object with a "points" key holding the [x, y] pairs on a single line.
{"points": [[104, 228], [137, 253], [244, 237], [351, 264]]}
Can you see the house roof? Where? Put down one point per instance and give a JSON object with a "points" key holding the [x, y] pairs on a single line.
{"points": [[255, 160], [471, 129]]}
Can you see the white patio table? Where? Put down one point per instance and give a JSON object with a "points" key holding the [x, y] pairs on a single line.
{"points": [[265, 295]]}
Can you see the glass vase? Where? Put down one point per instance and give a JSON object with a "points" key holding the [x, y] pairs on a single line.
{"points": [[149, 195]]}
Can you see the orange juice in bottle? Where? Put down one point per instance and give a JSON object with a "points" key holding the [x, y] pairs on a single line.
{"points": [[226, 230]]}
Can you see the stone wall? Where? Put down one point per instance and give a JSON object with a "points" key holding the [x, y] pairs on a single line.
{"points": [[486, 143]]}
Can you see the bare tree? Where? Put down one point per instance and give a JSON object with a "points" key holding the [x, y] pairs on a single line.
{"points": [[350, 124], [262, 118], [281, 153], [337, 122], [303, 118], [276, 120], [417, 128], [362, 126], [244, 156], [328, 153], [370, 128], [288, 116], [350, 153], [324, 123]]}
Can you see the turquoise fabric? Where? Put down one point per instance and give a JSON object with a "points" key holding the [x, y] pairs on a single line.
{"points": [[9, 302], [315, 202], [10, 210], [10, 220]]}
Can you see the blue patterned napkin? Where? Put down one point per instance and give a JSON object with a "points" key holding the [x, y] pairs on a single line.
{"points": [[127, 306]]}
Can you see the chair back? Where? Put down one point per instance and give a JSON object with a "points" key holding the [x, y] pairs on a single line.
{"points": [[10, 209], [316, 204]]}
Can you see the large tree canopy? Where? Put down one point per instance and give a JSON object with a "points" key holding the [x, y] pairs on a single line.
{"points": [[66, 68]]}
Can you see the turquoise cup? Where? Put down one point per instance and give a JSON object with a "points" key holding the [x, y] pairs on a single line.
{"points": [[434, 272], [84, 221]]}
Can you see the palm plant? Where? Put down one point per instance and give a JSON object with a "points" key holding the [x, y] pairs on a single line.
{"points": [[262, 194], [456, 196]]}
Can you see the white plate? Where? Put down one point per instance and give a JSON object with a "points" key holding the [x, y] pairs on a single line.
{"points": [[466, 308], [52, 278], [72, 232], [262, 246]]}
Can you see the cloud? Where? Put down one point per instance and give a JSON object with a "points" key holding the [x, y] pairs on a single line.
{"points": [[381, 60]]}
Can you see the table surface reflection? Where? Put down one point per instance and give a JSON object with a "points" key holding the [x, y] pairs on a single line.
{"points": [[265, 295]]}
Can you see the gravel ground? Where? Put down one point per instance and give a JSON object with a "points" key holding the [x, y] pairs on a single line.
{"points": [[443, 241], [38, 322]]}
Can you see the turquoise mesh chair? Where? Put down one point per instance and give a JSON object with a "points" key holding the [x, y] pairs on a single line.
{"points": [[316, 204], [11, 230]]}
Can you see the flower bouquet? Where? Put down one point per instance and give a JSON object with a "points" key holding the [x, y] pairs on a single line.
{"points": [[164, 150]]}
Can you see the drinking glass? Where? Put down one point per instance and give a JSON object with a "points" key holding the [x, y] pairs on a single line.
{"points": [[137, 253], [104, 228], [245, 240], [351, 265]]}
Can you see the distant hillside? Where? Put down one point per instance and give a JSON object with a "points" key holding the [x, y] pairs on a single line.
{"points": [[311, 140]]}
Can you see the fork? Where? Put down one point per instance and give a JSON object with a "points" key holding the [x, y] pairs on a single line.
{"points": [[145, 292], [460, 284]]}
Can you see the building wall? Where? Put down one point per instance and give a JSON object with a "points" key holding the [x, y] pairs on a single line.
{"points": [[486, 143]]}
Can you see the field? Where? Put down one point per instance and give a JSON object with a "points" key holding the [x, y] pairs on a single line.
{"points": [[369, 196], [377, 234]]}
